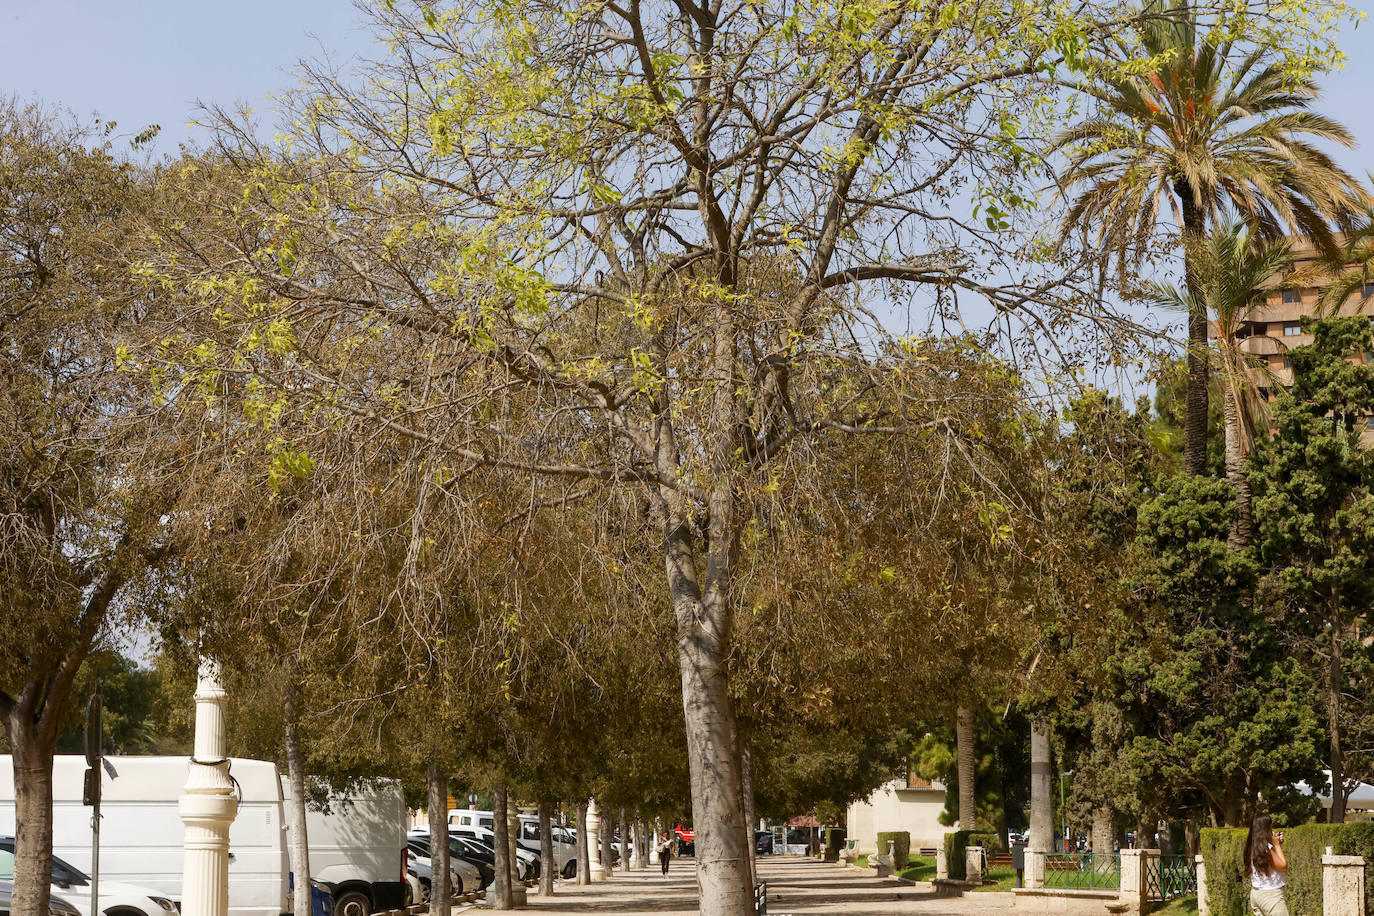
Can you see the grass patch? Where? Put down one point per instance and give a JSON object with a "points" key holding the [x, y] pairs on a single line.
{"points": [[919, 868], [1004, 879], [1183, 906]]}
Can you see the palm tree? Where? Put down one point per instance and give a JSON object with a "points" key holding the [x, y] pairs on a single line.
{"points": [[1354, 265], [1232, 267], [1212, 129]]}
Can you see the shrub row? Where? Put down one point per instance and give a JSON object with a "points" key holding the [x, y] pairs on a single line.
{"points": [[1228, 888], [834, 842], [901, 847], [959, 840]]}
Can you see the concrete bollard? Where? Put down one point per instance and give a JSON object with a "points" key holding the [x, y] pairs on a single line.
{"points": [[973, 865], [1342, 885], [1202, 908], [941, 864]]}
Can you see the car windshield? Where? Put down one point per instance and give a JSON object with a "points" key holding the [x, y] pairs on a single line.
{"points": [[61, 871]]}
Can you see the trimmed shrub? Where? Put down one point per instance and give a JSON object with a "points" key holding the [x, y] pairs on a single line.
{"points": [[1228, 889], [901, 847], [959, 840]]}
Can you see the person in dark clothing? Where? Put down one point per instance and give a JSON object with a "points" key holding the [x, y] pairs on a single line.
{"points": [[665, 853]]}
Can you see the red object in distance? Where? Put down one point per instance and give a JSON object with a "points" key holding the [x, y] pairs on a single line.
{"points": [[686, 836]]}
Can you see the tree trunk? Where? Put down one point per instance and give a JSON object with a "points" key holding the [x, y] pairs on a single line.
{"points": [[550, 866], [1145, 829], [505, 864], [295, 775], [607, 843], [584, 853], [1336, 684], [1195, 421], [968, 798], [624, 841], [32, 763], [1242, 529], [746, 766], [712, 739], [437, 784], [1041, 799], [1102, 829]]}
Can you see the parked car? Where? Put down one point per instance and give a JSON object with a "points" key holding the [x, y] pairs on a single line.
{"points": [[73, 887], [763, 842], [463, 875], [564, 844], [56, 907], [527, 861], [458, 849]]}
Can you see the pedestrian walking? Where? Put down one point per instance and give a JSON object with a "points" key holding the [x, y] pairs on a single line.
{"points": [[1267, 867], [665, 853]]}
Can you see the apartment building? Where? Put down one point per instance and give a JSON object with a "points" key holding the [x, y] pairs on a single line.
{"points": [[1273, 327]]}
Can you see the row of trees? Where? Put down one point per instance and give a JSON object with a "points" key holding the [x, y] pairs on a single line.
{"points": [[553, 319]]}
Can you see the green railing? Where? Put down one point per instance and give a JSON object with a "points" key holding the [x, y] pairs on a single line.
{"points": [[1168, 877], [1082, 871]]}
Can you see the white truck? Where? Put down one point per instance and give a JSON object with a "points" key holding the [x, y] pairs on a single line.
{"points": [[141, 831], [358, 849]]}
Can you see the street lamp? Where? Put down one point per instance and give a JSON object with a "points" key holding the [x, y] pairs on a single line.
{"points": [[1064, 809]]}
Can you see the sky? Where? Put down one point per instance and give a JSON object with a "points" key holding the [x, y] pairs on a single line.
{"points": [[141, 62]]}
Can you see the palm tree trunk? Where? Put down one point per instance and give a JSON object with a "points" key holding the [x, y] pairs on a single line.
{"points": [[967, 789], [1195, 421], [1242, 529]]}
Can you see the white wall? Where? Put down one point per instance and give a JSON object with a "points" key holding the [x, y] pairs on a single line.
{"points": [[895, 807]]}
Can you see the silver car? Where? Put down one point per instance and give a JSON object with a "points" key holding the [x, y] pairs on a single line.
{"points": [[56, 907]]}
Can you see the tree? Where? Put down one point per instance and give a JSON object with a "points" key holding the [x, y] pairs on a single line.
{"points": [[629, 247], [88, 466], [1232, 268], [1208, 124], [1315, 511]]}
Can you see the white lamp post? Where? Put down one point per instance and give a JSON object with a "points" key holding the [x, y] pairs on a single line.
{"points": [[597, 872], [208, 805]]}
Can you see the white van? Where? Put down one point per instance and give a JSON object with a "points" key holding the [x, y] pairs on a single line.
{"points": [[141, 832], [358, 847]]}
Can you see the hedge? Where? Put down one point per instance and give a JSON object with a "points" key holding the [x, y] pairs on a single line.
{"points": [[901, 847], [1228, 889], [956, 842]]}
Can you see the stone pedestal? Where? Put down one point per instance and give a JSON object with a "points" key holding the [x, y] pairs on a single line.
{"points": [[973, 865], [208, 805], [1202, 908], [597, 871], [1134, 863], [885, 860], [1342, 885], [1035, 869], [941, 863]]}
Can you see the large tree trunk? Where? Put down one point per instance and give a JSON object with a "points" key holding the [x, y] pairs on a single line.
{"points": [[606, 843], [1335, 684], [1195, 421], [1102, 829], [546, 873], [295, 775], [584, 852], [505, 862], [1146, 826], [437, 785], [1242, 529], [624, 841], [32, 761], [1041, 799], [968, 797]]}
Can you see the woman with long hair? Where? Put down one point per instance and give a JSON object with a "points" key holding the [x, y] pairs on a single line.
{"points": [[1267, 867]]}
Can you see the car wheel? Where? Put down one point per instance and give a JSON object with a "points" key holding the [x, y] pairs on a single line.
{"points": [[424, 891], [570, 869], [352, 903]]}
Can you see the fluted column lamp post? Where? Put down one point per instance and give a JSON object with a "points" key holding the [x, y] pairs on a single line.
{"points": [[597, 872], [208, 805]]}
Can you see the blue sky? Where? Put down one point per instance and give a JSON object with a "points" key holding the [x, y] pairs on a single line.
{"points": [[143, 62]]}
